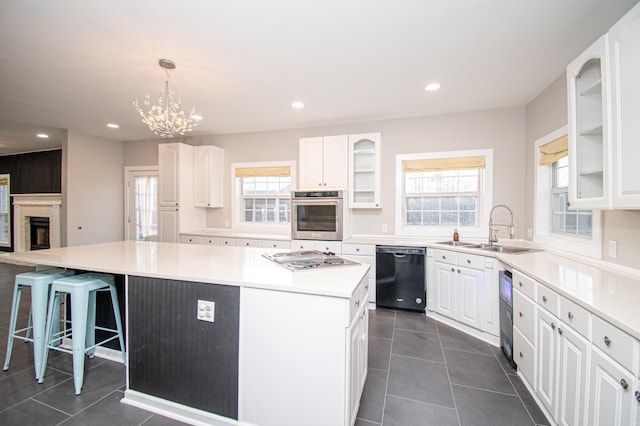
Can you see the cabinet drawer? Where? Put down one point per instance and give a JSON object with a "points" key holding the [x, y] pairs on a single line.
{"points": [[524, 355], [358, 299], [227, 242], [190, 239], [302, 245], [244, 242], [614, 342], [471, 261], [275, 244], [575, 316], [524, 315], [211, 241], [359, 249], [549, 300], [525, 284], [332, 246], [445, 256]]}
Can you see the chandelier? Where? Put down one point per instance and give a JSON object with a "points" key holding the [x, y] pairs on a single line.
{"points": [[165, 118]]}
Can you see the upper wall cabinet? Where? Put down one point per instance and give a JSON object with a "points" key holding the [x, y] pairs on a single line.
{"points": [[323, 162], [208, 164], [589, 118], [364, 170], [624, 51]]}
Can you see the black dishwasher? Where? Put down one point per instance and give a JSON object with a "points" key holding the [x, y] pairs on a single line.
{"points": [[400, 278]]}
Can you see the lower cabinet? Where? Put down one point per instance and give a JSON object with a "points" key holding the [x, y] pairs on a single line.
{"points": [[364, 253], [562, 367], [358, 332], [614, 392], [168, 222], [461, 291]]}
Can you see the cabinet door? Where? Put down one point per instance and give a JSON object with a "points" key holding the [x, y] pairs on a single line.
{"points": [[168, 224], [364, 170], [624, 50], [611, 392], [168, 157], [311, 164], [364, 345], [354, 367], [334, 161], [201, 165], [470, 283], [445, 287], [547, 347], [589, 133], [573, 374]]}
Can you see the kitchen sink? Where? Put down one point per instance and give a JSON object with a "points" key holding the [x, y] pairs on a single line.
{"points": [[457, 243], [504, 249]]}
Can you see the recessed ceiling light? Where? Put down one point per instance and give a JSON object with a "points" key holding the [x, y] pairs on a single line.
{"points": [[196, 117], [432, 87], [297, 105], [113, 125], [42, 135]]}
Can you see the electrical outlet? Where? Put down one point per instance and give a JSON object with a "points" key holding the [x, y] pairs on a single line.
{"points": [[385, 228], [613, 249], [206, 310]]}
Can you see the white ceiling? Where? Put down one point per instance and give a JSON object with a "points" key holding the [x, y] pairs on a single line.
{"points": [[79, 64]]}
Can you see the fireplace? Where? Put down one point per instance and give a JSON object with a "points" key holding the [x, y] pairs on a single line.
{"points": [[37, 221], [39, 230]]}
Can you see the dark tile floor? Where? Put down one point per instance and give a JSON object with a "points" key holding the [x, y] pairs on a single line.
{"points": [[420, 373]]}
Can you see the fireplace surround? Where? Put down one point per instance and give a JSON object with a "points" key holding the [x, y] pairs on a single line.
{"points": [[26, 206]]}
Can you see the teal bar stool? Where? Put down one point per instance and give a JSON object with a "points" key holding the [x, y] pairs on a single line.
{"points": [[40, 282], [82, 290]]}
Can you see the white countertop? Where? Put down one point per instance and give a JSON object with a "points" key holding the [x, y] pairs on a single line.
{"points": [[239, 266]]}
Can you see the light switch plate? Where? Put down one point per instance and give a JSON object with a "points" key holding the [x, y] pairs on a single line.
{"points": [[206, 310]]}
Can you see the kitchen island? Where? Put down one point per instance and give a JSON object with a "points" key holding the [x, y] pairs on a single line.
{"points": [[284, 348]]}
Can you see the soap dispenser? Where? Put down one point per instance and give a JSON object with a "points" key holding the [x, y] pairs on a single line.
{"points": [[455, 235]]}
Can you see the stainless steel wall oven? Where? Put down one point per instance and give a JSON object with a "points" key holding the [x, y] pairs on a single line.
{"points": [[317, 215]]}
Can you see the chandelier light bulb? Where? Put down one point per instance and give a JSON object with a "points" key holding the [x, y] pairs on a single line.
{"points": [[166, 118]]}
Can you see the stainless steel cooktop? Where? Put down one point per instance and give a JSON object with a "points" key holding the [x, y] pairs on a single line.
{"points": [[308, 259]]}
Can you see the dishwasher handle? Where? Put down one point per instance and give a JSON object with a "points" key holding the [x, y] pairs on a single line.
{"points": [[400, 251]]}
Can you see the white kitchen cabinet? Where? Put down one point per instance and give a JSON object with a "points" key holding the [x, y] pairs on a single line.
{"points": [[208, 164], [364, 253], [323, 162], [589, 127], [168, 227], [176, 210], [320, 245], [624, 51], [191, 239], [460, 291], [358, 359], [365, 153], [562, 369], [612, 400]]}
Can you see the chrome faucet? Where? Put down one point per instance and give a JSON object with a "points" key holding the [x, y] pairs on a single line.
{"points": [[493, 227]]}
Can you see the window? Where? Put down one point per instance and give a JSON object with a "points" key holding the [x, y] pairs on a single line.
{"points": [[439, 192], [563, 220], [556, 225], [5, 209], [263, 194]]}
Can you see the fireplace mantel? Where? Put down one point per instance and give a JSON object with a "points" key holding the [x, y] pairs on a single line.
{"points": [[39, 205]]}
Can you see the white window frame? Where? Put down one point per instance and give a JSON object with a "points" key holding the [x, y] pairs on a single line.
{"points": [[590, 247], [8, 201], [236, 201], [485, 196]]}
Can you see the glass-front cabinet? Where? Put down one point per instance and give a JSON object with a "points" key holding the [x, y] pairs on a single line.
{"points": [[589, 132], [364, 170]]}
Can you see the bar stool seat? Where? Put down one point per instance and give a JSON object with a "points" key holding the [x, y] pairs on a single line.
{"points": [[82, 290], [40, 283]]}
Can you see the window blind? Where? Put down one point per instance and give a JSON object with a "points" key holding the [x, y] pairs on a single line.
{"points": [[277, 171], [441, 164], [554, 150]]}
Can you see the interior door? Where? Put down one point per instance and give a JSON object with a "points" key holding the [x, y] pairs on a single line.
{"points": [[141, 206]]}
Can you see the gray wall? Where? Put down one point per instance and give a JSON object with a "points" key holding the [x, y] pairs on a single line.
{"points": [[500, 129]]}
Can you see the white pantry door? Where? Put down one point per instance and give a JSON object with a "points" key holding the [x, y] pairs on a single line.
{"points": [[141, 203]]}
